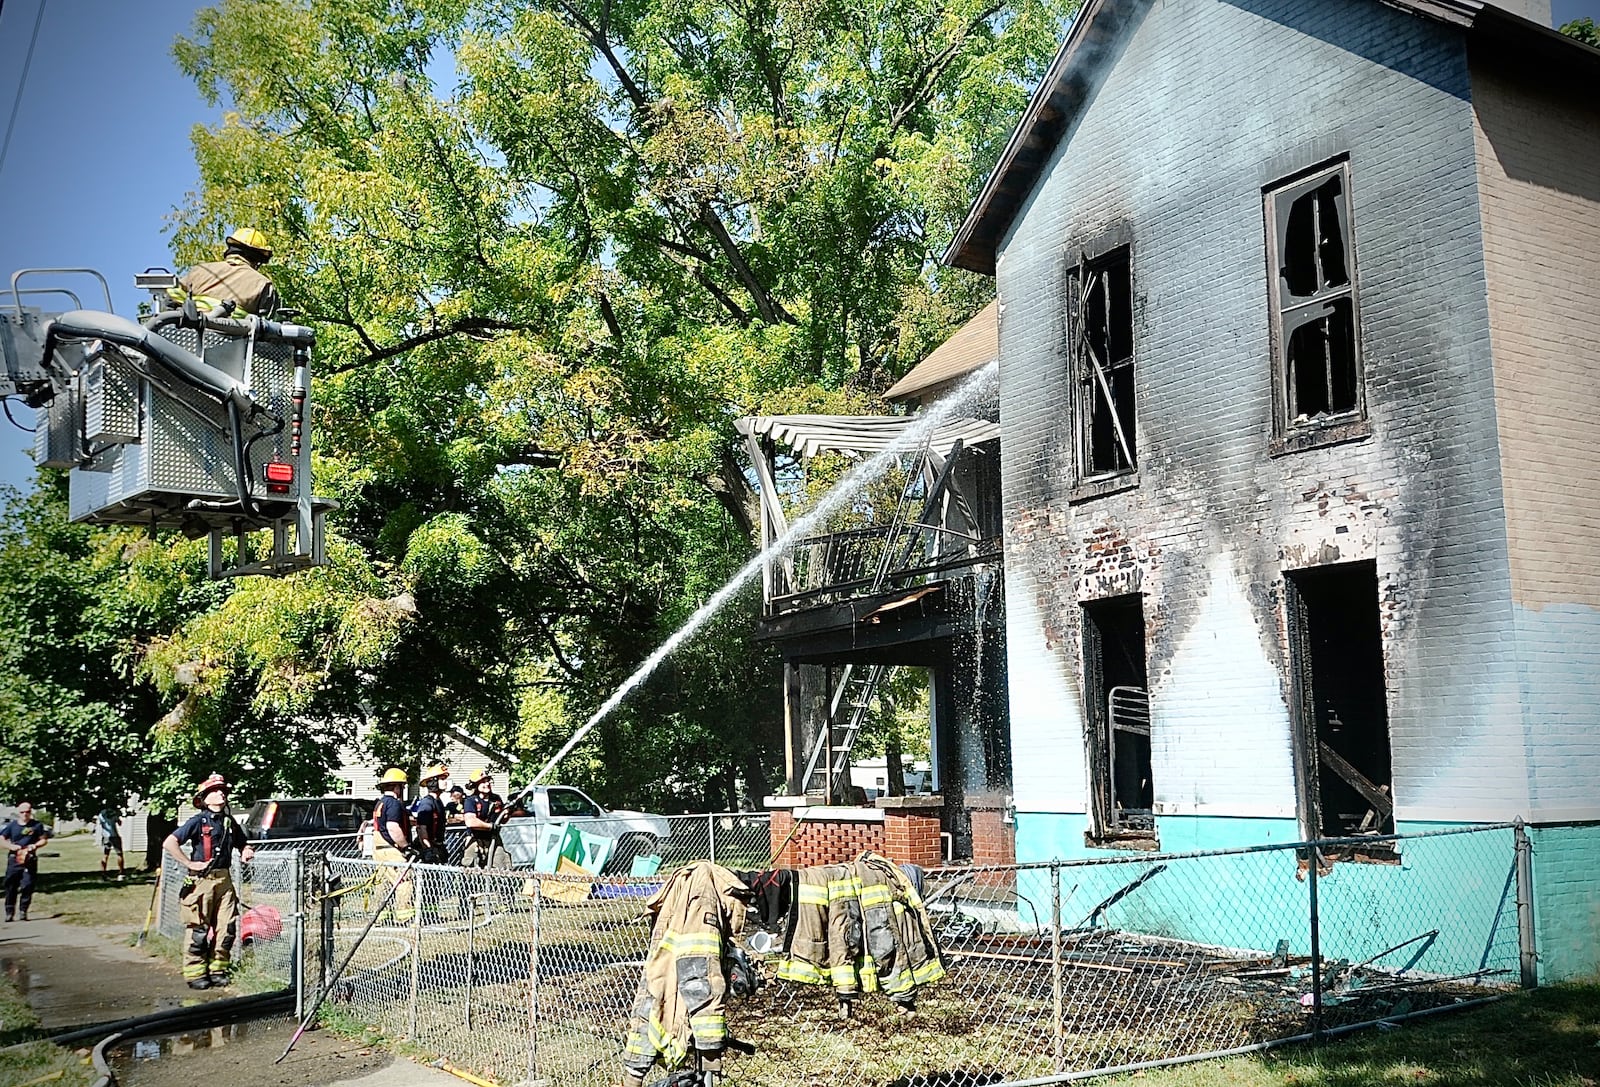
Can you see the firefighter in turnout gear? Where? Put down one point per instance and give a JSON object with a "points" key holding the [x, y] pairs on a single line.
{"points": [[481, 814], [209, 899], [429, 812], [392, 844], [236, 278]]}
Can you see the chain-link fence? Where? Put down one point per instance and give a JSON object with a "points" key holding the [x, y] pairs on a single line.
{"points": [[270, 937], [1055, 971]]}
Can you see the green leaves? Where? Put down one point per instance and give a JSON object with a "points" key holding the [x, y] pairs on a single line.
{"points": [[553, 250]]}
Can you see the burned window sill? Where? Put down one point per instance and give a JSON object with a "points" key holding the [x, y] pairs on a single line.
{"points": [[1144, 841], [1319, 435], [1100, 486]]}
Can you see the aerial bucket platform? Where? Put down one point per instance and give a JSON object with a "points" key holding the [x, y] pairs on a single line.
{"points": [[185, 419]]}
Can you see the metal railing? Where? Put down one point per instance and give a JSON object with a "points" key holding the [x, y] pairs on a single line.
{"points": [[1056, 971]]}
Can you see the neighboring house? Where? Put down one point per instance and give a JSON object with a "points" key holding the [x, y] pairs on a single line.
{"points": [[463, 753], [1299, 349]]}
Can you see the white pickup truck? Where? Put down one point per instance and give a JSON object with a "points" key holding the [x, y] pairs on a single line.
{"points": [[635, 834]]}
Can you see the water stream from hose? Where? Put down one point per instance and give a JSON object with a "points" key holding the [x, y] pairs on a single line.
{"points": [[969, 392]]}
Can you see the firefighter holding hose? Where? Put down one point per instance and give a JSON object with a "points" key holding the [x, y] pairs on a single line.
{"points": [[209, 899]]}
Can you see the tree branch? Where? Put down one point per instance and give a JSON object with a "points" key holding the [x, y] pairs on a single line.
{"points": [[461, 326]]}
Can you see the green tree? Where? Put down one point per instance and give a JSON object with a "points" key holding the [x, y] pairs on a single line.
{"points": [[1584, 30], [553, 251]]}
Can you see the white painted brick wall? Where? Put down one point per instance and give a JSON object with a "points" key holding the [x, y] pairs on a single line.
{"points": [[1208, 102]]}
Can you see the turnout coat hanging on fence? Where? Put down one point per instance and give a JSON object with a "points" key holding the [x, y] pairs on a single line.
{"points": [[862, 927], [682, 996]]}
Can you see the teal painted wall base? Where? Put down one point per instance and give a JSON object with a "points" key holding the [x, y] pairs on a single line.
{"points": [[1566, 901], [1459, 887]]}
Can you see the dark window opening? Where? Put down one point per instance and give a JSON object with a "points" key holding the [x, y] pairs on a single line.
{"points": [[1118, 709], [1314, 299], [1343, 726], [1102, 305]]}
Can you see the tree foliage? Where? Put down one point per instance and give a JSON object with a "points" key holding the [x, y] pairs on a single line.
{"points": [[1584, 30], [553, 251]]}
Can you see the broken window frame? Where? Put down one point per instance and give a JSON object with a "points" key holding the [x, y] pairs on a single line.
{"points": [[1336, 303], [1313, 756], [1094, 379]]}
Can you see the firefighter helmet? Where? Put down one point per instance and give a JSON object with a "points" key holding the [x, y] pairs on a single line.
{"points": [[248, 237], [392, 776], [437, 770], [215, 781], [483, 774]]}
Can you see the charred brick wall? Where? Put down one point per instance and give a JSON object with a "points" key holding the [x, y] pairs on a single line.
{"points": [[1203, 103]]}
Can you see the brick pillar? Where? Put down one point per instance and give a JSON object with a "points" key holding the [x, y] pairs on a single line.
{"points": [[779, 827], [911, 826], [994, 841]]}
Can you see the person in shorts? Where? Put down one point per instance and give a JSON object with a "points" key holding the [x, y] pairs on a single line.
{"points": [[107, 827]]}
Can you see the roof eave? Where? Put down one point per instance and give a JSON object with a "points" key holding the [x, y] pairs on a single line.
{"points": [[964, 250], [975, 243]]}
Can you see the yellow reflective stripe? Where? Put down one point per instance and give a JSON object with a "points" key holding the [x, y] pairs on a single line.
{"points": [[843, 888], [842, 975], [695, 943], [668, 1046], [930, 971], [192, 970], [877, 895], [803, 972], [709, 1028], [813, 894]]}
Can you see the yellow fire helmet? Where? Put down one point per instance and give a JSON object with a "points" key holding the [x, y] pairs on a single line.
{"points": [[479, 775], [392, 776], [251, 238], [437, 770]]}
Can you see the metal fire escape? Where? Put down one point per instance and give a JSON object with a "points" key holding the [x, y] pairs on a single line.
{"points": [[829, 763]]}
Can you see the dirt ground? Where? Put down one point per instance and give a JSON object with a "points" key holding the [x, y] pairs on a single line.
{"points": [[242, 1056], [74, 975]]}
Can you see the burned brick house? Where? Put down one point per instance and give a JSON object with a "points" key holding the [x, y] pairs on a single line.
{"points": [[1298, 345], [908, 579]]}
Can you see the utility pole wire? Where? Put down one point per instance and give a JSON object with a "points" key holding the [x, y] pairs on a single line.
{"points": [[21, 83]]}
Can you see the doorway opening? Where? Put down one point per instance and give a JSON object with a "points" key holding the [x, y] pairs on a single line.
{"points": [[1342, 726], [1117, 705]]}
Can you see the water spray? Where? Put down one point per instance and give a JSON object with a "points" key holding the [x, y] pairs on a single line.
{"points": [[922, 425]]}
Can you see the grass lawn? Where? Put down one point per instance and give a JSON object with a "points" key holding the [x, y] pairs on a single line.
{"points": [[37, 1063], [1546, 1038], [70, 886]]}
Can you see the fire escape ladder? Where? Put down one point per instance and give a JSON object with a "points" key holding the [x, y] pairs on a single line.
{"points": [[829, 763]]}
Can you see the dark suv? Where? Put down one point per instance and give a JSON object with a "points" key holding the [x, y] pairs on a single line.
{"points": [[306, 817]]}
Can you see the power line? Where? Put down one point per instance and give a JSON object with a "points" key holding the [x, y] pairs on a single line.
{"points": [[21, 83]]}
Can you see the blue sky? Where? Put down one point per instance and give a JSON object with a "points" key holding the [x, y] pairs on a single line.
{"points": [[100, 154]]}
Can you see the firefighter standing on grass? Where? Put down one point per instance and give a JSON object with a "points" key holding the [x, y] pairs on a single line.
{"points": [[209, 899], [392, 844]]}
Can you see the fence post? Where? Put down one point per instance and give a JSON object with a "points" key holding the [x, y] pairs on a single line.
{"points": [[711, 836], [471, 902], [533, 982], [1316, 950], [298, 874], [1526, 940], [326, 955], [1058, 1030], [416, 948]]}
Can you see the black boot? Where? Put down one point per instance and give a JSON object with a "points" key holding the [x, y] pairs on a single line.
{"points": [[200, 983]]}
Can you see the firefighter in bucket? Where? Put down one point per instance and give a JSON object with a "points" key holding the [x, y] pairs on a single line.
{"points": [[209, 899]]}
